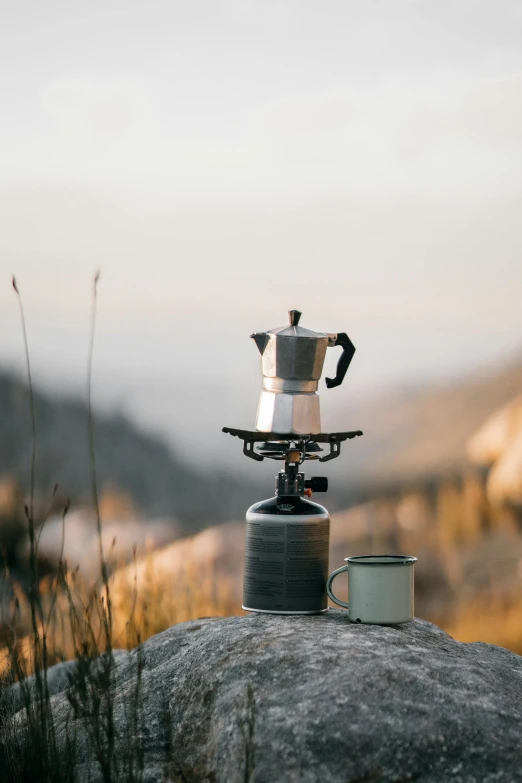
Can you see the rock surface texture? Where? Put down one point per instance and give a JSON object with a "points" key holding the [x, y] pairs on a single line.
{"points": [[268, 699], [58, 679]]}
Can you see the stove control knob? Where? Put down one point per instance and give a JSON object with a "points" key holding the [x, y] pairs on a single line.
{"points": [[317, 484]]}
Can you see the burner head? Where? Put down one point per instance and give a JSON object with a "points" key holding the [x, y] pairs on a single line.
{"points": [[277, 449]]}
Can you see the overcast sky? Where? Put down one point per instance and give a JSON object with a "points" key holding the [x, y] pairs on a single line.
{"points": [[223, 161]]}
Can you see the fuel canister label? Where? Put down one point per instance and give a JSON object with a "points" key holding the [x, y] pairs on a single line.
{"points": [[286, 565]]}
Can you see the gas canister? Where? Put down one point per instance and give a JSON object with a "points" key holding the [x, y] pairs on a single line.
{"points": [[286, 556]]}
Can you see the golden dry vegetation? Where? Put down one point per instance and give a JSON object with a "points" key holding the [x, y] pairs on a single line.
{"points": [[468, 576]]}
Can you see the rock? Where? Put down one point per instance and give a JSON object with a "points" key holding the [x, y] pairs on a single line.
{"points": [[58, 680], [498, 443], [270, 699]]}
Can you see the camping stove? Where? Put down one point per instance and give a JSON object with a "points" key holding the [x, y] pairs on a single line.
{"points": [[288, 536]]}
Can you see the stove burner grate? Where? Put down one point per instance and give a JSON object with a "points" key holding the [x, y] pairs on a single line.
{"points": [[275, 445]]}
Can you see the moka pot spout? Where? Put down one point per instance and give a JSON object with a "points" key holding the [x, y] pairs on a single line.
{"points": [[261, 339]]}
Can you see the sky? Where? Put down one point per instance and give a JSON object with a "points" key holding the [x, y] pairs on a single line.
{"points": [[224, 161]]}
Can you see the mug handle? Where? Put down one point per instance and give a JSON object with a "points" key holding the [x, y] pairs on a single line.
{"points": [[329, 586]]}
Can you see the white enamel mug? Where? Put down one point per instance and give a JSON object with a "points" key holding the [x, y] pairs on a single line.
{"points": [[380, 588]]}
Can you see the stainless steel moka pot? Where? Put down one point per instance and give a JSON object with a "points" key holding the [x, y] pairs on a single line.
{"points": [[292, 360], [287, 536]]}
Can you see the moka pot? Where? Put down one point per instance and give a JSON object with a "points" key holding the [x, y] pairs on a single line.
{"points": [[292, 362]]}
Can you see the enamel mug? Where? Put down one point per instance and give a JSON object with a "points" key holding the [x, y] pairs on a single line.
{"points": [[380, 588]]}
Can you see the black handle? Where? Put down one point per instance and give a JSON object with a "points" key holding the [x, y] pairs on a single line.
{"points": [[344, 361]]}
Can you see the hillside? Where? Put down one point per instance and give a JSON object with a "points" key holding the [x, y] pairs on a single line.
{"points": [[411, 436], [421, 434], [128, 460]]}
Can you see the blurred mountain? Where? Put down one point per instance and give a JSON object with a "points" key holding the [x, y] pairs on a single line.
{"points": [[157, 480], [410, 436], [422, 434]]}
